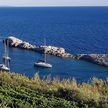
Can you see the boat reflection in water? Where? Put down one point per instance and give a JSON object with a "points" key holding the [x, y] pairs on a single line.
{"points": [[43, 73]]}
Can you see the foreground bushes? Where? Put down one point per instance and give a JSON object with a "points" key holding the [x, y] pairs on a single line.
{"points": [[17, 91]]}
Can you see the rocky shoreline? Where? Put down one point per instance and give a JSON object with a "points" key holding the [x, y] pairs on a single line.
{"points": [[100, 59]]}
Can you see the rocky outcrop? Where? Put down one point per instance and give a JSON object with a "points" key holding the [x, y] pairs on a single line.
{"points": [[15, 42], [100, 59], [52, 50]]}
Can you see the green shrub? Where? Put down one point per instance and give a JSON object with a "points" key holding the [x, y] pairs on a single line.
{"points": [[21, 92]]}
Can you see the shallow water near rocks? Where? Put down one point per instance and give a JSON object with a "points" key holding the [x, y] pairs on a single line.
{"points": [[23, 63]]}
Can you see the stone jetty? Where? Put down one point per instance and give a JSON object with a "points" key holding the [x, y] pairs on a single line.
{"points": [[100, 59]]}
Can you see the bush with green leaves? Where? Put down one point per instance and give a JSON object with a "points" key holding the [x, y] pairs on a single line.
{"points": [[17, 91]]}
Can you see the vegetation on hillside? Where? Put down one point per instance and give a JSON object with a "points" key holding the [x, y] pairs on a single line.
{"points": [[17, 91]]}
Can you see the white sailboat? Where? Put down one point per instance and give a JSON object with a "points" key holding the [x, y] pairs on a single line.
{"points": [[6, 46], [6, 58], [3, 67], [43, 63]]}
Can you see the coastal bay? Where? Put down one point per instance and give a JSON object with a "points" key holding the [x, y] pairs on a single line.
{"points": [[70, 41], [71, 28]]}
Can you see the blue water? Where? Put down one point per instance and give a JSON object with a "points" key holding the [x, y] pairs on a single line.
{"points": [[77, 29]]}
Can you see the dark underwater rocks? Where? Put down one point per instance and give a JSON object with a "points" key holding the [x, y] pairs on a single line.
{"points": [[100, 59]]}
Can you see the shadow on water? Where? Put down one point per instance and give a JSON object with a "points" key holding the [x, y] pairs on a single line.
{"points": [[43, 72]]}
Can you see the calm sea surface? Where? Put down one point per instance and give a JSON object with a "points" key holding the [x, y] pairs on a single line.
{"points": [[77, 29]]}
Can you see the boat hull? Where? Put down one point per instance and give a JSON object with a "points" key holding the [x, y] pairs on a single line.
{"points": [[6, 58], [4, 68], [45, 65]]}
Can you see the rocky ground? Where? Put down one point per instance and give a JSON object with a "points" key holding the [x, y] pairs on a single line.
{"points": [[100, 59]]}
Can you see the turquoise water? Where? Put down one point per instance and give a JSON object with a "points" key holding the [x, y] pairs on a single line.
{"points": [[78, 30]]}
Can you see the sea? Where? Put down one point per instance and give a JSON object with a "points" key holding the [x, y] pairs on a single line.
{"points": [[77, 29]]}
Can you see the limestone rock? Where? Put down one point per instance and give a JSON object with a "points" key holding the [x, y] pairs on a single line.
{"points": [[100, 59]]}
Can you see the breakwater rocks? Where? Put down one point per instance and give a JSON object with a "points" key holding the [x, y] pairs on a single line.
{"points": [[100, 59], [52, 50]]}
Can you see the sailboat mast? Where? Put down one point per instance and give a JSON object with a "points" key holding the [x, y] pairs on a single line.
{"points": [[5, 62], [45, 50], [7, 55], [7, 48]]}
